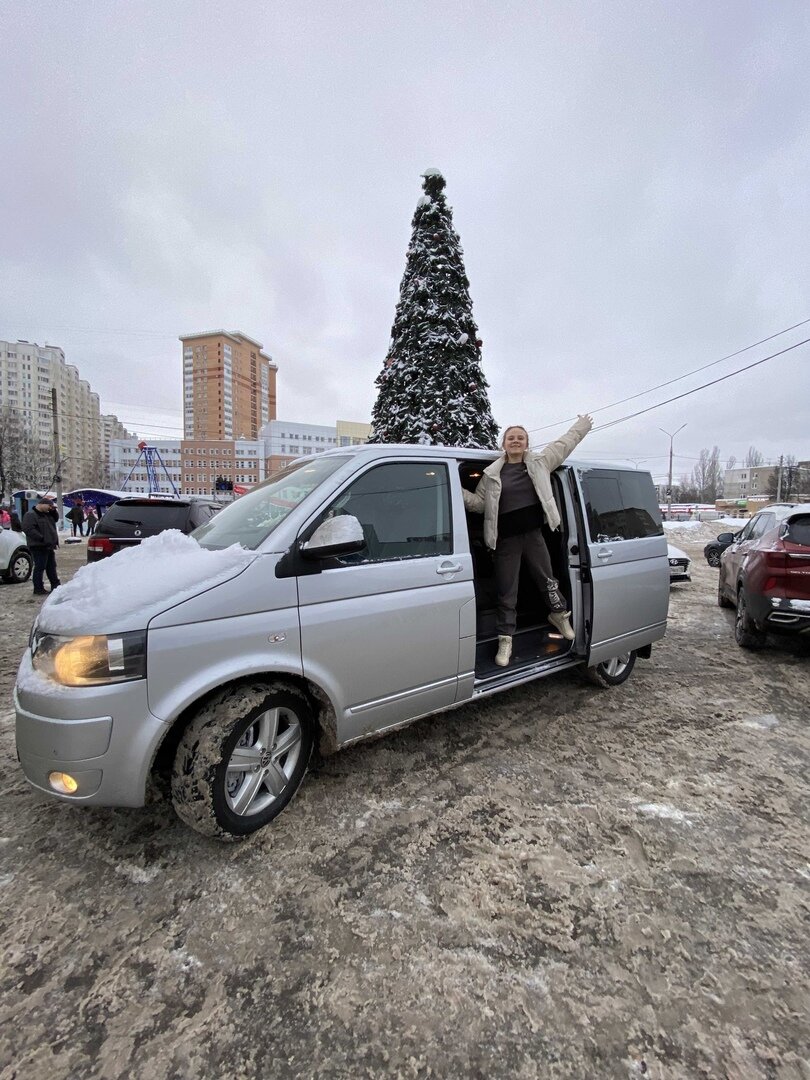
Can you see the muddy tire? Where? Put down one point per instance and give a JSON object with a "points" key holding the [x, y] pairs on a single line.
{"points": [[612, 672], [19, 567], [242, 759], [721, 597], [745, 632]]}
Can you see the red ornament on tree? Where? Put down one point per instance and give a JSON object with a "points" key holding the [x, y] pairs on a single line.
{"points": [[479, 342]]}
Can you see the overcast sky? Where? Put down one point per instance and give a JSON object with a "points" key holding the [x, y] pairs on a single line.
{"points": [[630, 181]]}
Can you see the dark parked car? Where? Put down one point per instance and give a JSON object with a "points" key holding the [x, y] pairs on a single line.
{"points": [[131, 520], [715, 548], [765, 574]]}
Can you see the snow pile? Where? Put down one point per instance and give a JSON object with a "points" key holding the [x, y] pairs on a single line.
{"points": [[700, 532], [166, 568]]}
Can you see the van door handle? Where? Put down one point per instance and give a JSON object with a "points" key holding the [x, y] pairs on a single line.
{"points": [[448, 568], [604, 553]]}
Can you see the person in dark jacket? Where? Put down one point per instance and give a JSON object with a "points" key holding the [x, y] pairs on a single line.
{"points": [[76, 517], [92, 520], [39, 526]]}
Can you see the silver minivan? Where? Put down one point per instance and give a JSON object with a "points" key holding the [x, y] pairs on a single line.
{"points": [[348, 595]]}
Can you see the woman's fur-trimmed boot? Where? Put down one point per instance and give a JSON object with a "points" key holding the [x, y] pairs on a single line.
{"points": [[504, 650]]}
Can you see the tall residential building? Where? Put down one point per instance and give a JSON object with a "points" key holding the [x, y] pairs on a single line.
{"points": [[229, 386], [28, 374]]}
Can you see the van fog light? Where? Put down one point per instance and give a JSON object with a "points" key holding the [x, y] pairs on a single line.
{"points": [[63, 782]]}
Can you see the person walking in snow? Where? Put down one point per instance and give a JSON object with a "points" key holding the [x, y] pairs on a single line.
{"points": [[515, 497], [91, 520], [39, 526]]}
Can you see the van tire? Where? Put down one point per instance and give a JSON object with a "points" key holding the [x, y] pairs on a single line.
{"points": [[612, 672], [246, 717]]}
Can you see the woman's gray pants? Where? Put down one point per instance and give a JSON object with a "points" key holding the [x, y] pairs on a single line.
{"points": [[511, 552]]}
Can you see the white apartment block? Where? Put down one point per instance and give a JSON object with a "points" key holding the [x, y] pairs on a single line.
{"points": [[28, 374], [747, 482], [285, 440]]}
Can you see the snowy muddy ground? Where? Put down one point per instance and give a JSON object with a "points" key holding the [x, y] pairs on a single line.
{"points": [[559, 881]]}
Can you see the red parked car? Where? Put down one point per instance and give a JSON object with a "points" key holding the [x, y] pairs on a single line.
{"points": [[765, 574]]}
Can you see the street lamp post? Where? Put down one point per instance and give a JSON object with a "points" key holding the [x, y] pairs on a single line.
{"points": [[671, 435]]}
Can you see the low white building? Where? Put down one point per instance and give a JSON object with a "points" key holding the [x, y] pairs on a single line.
{"points": [[125, 455], [288, 439]]}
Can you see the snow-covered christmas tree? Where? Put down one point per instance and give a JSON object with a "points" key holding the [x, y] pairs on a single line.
{"points": [[432, 388]]}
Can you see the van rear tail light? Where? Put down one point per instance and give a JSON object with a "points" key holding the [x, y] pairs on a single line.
{"points": [[100, 543]]}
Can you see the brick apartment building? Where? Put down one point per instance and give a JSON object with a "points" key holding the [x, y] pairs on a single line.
{"points": [[229, 386]]}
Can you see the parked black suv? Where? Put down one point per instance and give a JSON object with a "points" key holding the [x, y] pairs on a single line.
{"points": [[131, 520]]}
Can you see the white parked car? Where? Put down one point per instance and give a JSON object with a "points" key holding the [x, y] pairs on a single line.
{"points": [[678, 564], [15, 558]]}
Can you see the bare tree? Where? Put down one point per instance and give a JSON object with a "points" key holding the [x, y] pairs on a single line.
{"points": [[21, 458], [753, 459], [686, 489], [794, 479], [707, 479], [731, 463]]}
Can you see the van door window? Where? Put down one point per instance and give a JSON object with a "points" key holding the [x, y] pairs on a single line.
{"points": [[404, 509], [620, 505]]}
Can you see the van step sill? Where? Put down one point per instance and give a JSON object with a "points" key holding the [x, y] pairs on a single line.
{"points": [[512, 676]]}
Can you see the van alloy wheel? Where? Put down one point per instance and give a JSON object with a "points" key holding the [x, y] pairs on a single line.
{"points": [[242, 758], [263, 761], [612, 672]]}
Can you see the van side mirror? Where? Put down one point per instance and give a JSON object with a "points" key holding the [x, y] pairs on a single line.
{"points": [[337, 536], [726, 538]]}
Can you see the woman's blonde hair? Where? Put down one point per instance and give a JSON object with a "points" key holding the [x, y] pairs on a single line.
{"points": [[512, 427]]}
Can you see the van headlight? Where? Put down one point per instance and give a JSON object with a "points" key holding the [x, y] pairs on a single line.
{"points": [[91, 660]]}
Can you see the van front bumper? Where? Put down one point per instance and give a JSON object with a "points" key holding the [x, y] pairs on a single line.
{"points": [[104, 737]]}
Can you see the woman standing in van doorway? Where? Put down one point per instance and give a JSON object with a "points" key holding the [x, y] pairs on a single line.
{"points": [[515, 497]]}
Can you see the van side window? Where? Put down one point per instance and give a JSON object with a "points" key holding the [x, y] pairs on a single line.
{"points": [[620, 505], [404, 509]]}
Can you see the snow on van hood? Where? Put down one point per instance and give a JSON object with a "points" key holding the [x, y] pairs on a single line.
{"points": [[157, 574]]}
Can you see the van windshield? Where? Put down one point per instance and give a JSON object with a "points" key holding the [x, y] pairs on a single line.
{"points": [[252, 518]]}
